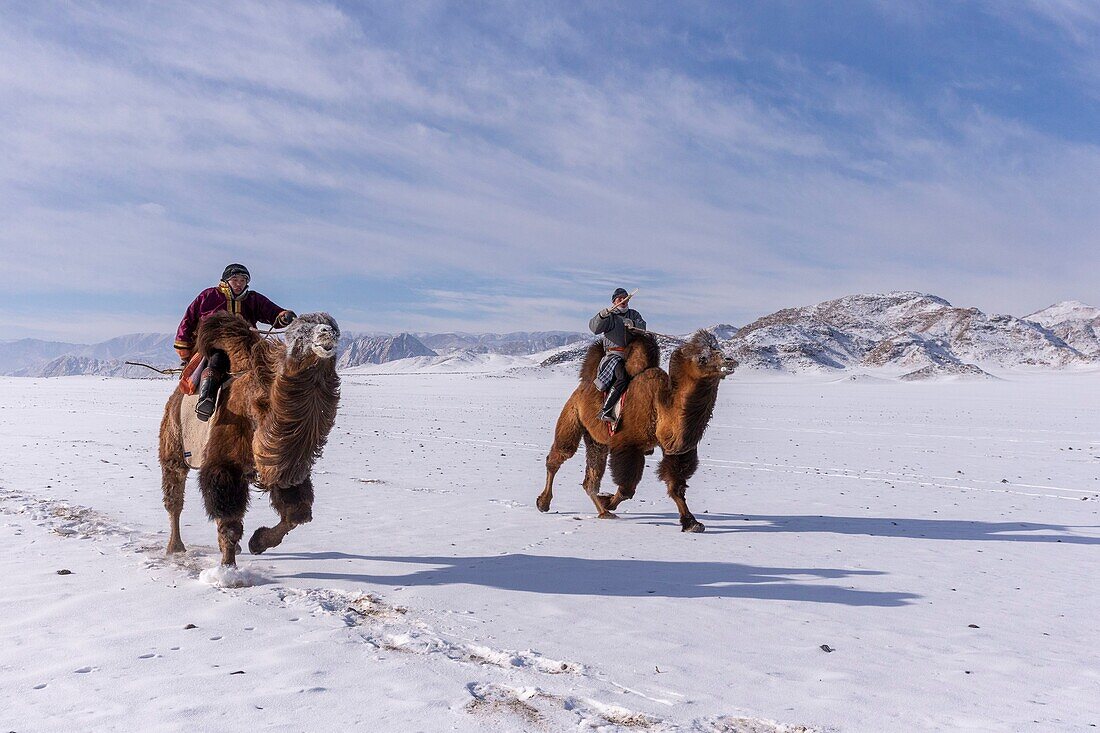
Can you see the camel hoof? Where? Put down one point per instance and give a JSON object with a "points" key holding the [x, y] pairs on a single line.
{"points": [[174, 547], [607, 515], [694, 527], [256, 544], [543, 504]]}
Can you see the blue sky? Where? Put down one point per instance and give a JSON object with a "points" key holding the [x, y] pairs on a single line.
{"points": [[503, 166]]}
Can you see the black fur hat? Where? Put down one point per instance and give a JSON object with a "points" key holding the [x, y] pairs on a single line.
{"points": [[619, 293], [235, 269]]}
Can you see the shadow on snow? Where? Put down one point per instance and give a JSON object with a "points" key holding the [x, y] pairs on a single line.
{"points": [[931, 529], [616, 577]]}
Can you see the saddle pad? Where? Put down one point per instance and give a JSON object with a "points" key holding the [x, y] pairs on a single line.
{"points": [[617, 413], [195, 431]]}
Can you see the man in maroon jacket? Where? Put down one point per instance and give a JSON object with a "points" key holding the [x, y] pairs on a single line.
{"points": [[231, 294]]}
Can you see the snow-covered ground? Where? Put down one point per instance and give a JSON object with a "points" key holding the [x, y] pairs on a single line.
{"points": [[941, 539]]}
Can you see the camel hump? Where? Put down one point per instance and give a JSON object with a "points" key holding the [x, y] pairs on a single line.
{"points": [[225, 331], [642, 353], [591, 363]]}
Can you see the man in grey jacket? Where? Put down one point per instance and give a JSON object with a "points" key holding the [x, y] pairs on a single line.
{"points": [[616, 325]]}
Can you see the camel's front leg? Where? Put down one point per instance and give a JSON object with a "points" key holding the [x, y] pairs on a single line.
{"points": [[567, 436], [675, 470], [294, 505], [225, 495]]}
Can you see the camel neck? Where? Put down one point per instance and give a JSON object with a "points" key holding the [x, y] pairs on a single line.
{"points": [[691, 404]]}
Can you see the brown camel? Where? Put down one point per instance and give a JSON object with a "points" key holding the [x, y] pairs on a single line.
{"points": [[268, 430], [670, 410]]}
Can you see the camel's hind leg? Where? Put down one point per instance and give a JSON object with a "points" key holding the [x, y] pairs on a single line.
{"points": [[675, 470], [595, 464], [172, 482], [173, 473], [567, 436], [294, 505], [627, 466], [225, 494]]}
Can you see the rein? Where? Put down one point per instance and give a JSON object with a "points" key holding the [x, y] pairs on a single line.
{"points": [[677, 339], [270, 332]]}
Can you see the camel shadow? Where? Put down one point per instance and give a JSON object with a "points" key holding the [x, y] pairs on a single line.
{"points": [[616, 577], [931, 529]]}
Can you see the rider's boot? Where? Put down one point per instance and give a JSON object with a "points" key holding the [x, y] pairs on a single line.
{"points": [[208, 394], [607, 413]]}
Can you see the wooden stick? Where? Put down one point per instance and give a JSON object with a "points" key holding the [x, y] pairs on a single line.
{"points": [[155, 369]]}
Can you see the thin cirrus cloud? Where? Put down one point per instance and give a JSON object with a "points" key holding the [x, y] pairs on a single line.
{"points": [[450, 166]]}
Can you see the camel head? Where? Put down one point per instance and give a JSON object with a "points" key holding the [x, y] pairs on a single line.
{"points": [[312, 333], [703, 357]]}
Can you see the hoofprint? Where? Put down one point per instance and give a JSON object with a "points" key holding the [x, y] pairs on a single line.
{"points": [[882, 520]]}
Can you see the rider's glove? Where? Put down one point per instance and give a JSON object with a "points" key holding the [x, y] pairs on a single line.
{"points": [[283, 319]]}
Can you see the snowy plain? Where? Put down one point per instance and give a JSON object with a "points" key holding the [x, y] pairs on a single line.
{"points": [[941, 539]]}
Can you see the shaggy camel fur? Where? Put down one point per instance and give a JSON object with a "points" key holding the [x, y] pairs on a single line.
{"points": [[670, 410], [268, 431]]}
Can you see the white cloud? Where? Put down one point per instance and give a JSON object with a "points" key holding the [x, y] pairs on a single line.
{"points": [[174, 139]]}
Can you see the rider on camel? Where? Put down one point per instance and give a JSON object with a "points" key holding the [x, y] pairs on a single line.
{"points": [[616, 324], [231, 294]]}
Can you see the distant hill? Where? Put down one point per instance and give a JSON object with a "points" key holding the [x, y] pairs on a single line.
{"points": [[517, 343], [27, 353], [899, 330], [1075, 323], [380, 349], [905, 332]]}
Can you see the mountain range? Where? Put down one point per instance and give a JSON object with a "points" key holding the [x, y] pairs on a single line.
{"points": [[901, 331], [912, 334]]}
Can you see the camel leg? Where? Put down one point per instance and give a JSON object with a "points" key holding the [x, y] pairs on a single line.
{"points": [[225, 495], [173, 472], [294, 505], [627, 465], [567, 436], [675, 470], [173, 479], [595, 455]]}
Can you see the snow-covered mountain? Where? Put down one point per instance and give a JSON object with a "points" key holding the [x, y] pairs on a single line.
{"points": [[71, 365], [25, 353], [515, 343], [921, 335], [903, 332], [30, 358], [1067, 310], [723, 331], [380, 349], [457, 362], [898, 330], [1075, 323]]}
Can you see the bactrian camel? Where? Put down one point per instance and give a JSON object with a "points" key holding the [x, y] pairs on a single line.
{"points": [[268, 431], [667, 410]]}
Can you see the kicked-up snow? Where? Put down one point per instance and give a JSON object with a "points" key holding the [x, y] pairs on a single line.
{"points": [[879, 556]]}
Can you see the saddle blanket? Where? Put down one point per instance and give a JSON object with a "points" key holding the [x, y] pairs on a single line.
{"points": [[195, 432]]}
